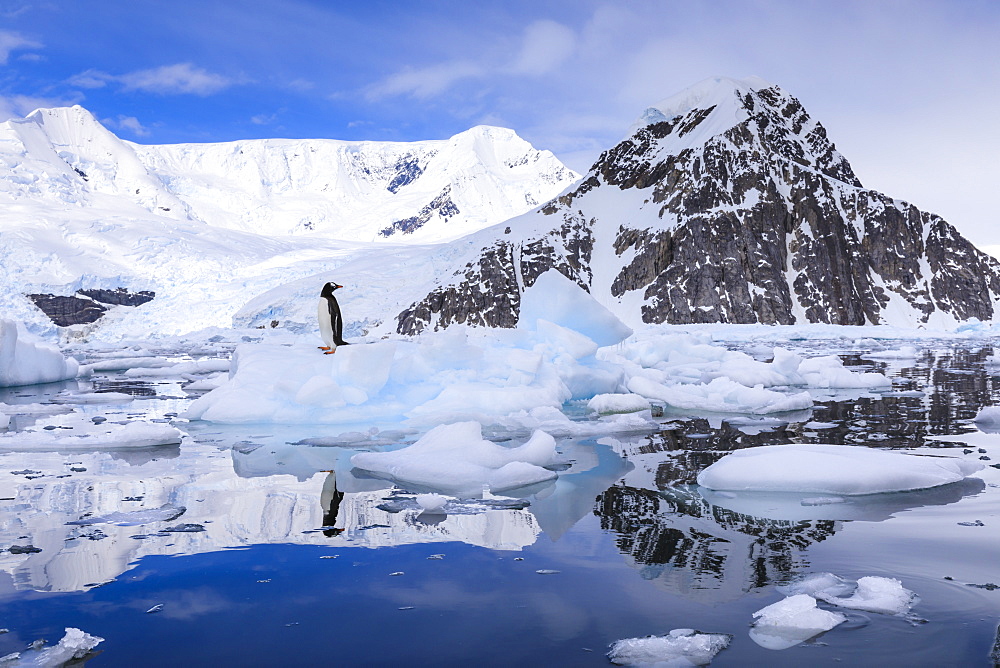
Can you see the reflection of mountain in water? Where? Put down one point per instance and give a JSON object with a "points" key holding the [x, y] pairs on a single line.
{"points": [[47, 492], [702, 551]]}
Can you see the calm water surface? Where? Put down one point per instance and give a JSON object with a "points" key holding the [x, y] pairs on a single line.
{"points": [[298, 560]]}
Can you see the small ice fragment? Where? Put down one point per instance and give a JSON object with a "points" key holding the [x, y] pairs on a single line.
{"points": [[267, 580], [406, 607], [436, 556], [681, 647], [397, 573], [155, 608], [329, 556], [821, 500], [74, 645], [547, 571], [791, 621], [876, 594], [518, 558], [818, 585], [977, 523]]}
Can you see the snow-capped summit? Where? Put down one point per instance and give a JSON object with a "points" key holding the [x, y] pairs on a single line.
{"points": [[727, 203]]}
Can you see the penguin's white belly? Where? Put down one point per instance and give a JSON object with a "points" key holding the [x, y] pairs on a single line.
{"points": [[325, 325]]}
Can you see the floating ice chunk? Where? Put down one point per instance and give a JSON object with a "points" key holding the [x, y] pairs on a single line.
{"points": [[829, 372], [555, 423], [606, 404], [75, 644], [791, 621], [903, 353], [818, 585], [24, 361], [831, 469], [555, 298], [721, 395], [123, 363], [104, 436], [164, 513], [988, 415], [820, 425], [680, 647], [4, 420], [456, 457], [210, 365], [91, 398], [887, 596]]}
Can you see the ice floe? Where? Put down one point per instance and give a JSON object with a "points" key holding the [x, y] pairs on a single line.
{"points": [[680, 647], [871, 593], [607, 404], [791, 621], [26, 361], [831, 469], [989, 416], [74, 645], [456, 458], [107, 435]]}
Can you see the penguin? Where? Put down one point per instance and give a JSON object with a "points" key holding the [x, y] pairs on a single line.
{"points": [[331, 322]]}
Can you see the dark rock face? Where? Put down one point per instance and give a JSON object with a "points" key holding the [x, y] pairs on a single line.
{"points": [[761, 221], [442, 206], [406, 171], [119, 296], [66, 311], [86, 306]]}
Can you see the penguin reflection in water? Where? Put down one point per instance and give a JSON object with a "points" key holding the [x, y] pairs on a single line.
{"points": [[331, 322]]}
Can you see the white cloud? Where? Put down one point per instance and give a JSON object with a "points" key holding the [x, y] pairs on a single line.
{"points": [[264, 119], [12, 41], [90, 79], [424, 82], [17, 106], [546, 46], [182, 78], [128, 123]]}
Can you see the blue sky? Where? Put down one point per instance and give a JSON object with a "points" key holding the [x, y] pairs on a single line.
{"points": [[908, 90]]}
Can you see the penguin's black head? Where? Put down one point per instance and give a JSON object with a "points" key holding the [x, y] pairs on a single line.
{"points": [[329, 288]]}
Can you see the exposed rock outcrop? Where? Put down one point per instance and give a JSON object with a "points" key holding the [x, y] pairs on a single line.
{"points": [[86, 306], [728, 203]]}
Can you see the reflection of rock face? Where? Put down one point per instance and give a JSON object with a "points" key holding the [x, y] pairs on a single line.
{"points": [[702, 551], [234, 511]]}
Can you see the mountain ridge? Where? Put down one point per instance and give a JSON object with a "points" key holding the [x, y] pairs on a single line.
{"points": [[741, 211]]}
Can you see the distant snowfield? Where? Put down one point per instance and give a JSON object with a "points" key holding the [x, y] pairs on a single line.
{"points": [[210, 227]]}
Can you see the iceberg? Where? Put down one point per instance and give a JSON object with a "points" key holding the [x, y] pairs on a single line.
{"points": [[680, 647], [138, 434], [24, 361], [791, 621], [74, 645], [455, 458], [831, 469]]}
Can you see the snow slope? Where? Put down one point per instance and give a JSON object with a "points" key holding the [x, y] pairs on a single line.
{"points": [[209, 227]]}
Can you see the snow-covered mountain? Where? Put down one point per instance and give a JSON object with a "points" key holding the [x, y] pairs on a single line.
{"points": [[206, 227], [728, 203]]}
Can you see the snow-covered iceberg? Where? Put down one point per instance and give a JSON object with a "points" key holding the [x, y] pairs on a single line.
{"points": [[455, 458], [871, 593], [105, 436], [24, 361], [73, 646], [831, 469], [790, 621], [439, 377], [680, 647]]}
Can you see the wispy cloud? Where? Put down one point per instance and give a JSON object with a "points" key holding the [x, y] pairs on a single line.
{"points": [[264, 119], [17, 106], [545, 46], [130, 124], [11, 41], [181, 78]]}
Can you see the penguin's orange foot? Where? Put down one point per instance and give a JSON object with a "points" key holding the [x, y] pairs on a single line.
{"points": [[330, 352], [323, 347]]}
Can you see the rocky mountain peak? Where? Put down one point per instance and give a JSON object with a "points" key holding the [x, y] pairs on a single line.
{"points": [[727, 203]]}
